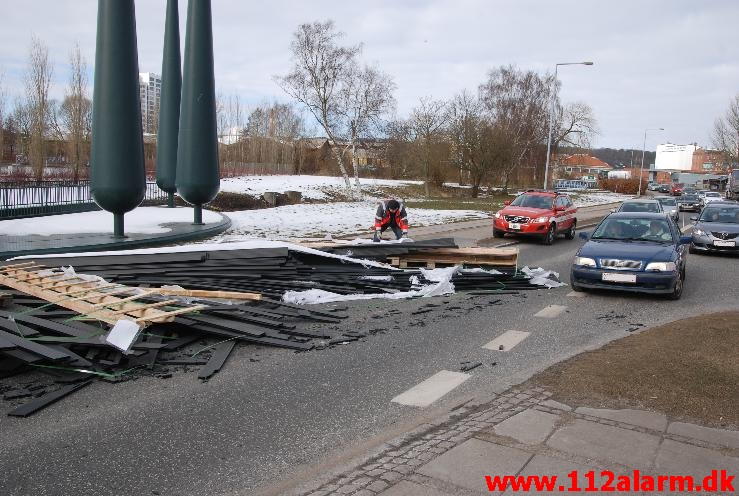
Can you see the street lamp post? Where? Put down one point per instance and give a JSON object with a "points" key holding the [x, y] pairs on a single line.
{"points": [[643, 149], [551, 117]]}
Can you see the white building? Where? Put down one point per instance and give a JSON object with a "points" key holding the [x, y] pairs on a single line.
{"points": [[150, 91]]}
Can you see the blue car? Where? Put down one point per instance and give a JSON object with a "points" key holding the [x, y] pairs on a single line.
{"points": [[632, 251]]}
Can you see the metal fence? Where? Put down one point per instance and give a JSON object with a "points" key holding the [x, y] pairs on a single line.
{"points": [[35, 198]]}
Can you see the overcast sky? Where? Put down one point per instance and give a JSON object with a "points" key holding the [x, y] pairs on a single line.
{"points": [[670, 63]]}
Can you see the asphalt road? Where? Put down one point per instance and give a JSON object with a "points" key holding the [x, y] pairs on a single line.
{"points": [[270, 417]]}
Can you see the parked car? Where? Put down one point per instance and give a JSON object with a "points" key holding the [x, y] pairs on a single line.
{"points": [[632, 251], [689, 202], [669, 206], [664, 188], [716, 229], [676, 189], [652, 186], [544, 214], [711, 196], [641, 205]]}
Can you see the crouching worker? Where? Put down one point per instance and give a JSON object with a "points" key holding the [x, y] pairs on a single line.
{"points": [[391, 214]]}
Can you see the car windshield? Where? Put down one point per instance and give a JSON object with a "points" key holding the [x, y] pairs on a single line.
{"points": [[533, 201], [640, 207], [625, 229], [713, 195], [670, 202], [689, 197], [724, 215]]}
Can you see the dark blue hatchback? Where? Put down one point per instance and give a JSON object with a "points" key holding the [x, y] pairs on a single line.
{"points": [[630, 251]]}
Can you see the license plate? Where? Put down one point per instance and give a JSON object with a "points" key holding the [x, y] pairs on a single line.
{"points": [[718, 242], [610, 276], [514, 226]]}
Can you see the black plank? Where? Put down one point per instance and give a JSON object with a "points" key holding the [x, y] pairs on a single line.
{"points": [[219, 357], [42, 402], [33, 347]]}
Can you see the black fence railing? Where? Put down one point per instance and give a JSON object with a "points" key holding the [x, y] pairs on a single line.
{"points": [[20, 199]]}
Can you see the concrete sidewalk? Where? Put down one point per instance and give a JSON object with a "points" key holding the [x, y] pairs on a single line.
{"points": [[526, 433]]}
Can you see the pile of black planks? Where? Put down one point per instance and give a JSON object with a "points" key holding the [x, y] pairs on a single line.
{"points": [[36, 336]]}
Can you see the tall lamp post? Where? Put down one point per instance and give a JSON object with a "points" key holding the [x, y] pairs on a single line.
{"points": [[551, 117], [643, 149]]}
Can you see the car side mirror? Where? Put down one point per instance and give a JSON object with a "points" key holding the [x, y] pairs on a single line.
{"points": [[584, 235], [694, 218], [686, 240], [507, 202]]}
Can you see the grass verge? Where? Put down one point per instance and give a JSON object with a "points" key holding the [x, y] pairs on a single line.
{"points": [[687, 369]]}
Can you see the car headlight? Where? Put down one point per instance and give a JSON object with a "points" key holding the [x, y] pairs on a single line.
{"points": [[662, 266], [497, 215], [700, 232], [584, 261], [541, 219]]}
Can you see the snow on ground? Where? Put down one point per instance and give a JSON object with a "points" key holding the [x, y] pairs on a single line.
{"points": [[597, 198], [143, 220], [321, 219], [312, 187]]}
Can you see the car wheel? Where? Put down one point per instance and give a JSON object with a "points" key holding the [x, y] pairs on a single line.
{"points": [[691, 249], [570, 234], [548, 238], [498, 234], [677, 292], [577, 287]]}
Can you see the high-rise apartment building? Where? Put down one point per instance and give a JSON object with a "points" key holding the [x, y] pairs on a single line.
{"points": [[150, 90]]}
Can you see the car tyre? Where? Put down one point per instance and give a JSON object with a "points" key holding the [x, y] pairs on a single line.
{"points": [[677, 291], [548, 238], [498, 234], [691, 249], [570, 234]]}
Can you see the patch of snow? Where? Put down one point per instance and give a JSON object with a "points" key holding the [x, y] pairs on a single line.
{"points": [[312, 187], [142, 220], [322, 219], [597, 198]]}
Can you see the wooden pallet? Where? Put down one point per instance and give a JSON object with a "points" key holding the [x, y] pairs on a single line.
{"points": [[94, 299], [445, 257]]}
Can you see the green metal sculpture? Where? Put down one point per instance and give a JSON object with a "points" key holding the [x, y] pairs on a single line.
{"points": [[198, 178], [169, 107], [118, 178]]}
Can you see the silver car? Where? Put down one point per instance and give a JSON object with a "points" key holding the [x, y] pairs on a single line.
{"points": [[711, 196], [716, 229], [669, 206]]}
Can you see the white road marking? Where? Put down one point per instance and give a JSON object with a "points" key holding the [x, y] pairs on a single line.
{"points": [[430, 390], [551, 311], [577, 294], [507, 340]]}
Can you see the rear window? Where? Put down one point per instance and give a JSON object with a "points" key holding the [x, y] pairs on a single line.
{"points": [[640, 207], [713, 195], [690, 197], [533, 201], [670, 202]]}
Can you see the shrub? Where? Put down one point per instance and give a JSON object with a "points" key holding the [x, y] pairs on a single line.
{"points": [[625, 186]]}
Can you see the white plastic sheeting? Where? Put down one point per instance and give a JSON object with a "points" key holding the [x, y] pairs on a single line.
{"points": [[543, 277]]}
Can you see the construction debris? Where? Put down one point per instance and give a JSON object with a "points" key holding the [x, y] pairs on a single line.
{"points": [[112, 317]]}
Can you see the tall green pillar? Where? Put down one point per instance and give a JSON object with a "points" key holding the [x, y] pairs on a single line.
{"points": [[118, 178], [198, 178], [169, 106]]}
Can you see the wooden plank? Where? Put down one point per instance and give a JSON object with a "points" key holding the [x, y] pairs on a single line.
{"points": [[37, 404], [219, 357], [197, 293]]}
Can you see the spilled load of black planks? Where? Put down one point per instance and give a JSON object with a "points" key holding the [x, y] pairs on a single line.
{"points": [[38, 336]]}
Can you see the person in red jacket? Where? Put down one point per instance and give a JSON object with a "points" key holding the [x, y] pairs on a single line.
{"points": [[391, 214]]}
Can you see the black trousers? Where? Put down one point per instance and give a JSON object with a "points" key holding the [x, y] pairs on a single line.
{"points": [[396, 230]]}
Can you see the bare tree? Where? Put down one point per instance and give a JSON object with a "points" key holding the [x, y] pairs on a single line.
{"points": [[76, 111], [277, 120], [320, 69], [23, 123], [726, 131], [575, 125], [3, 112], [517, 103], [38, 81], [368, 96], [427, 121]]}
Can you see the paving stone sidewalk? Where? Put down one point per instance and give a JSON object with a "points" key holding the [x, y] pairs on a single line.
{"points": [[526, 433]]}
